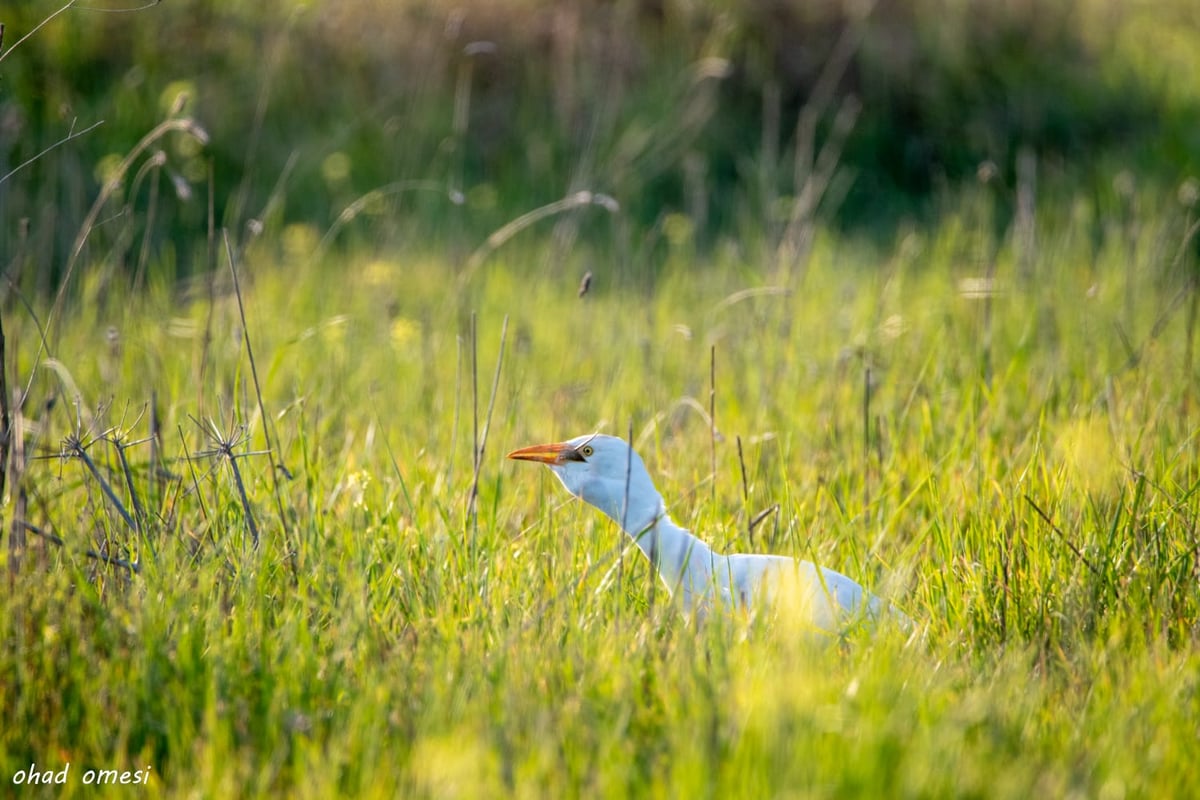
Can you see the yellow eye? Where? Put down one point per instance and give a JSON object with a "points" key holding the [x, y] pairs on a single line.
{"points": [[586, 451]]}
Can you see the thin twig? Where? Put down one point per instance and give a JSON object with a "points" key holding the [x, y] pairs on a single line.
{"points": [[131, 10], [1130, 351], [471, 510], [139, 513], [36, 28], [210, 263], [624, 524], [74, 447], [487, 425], [158, 472], [1006, 570], [712, 421], [760, 516], [224, 446], [241, 487], [745, 490], [71, 134], [262, 410], [5, 415], [54, 538], [511, 229], [16, 536], [412, 510], [195, 478], [866, 440], [458, 368], [1078, 553], [43, 345]]}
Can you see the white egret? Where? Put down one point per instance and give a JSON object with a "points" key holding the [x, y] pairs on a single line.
{"points": [[605, 472]]}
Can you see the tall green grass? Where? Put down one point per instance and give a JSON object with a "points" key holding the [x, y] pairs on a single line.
{"points": [[381, 640], [990, 420]]}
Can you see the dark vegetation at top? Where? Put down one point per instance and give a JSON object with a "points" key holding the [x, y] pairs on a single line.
{"points": [[672, 108]]}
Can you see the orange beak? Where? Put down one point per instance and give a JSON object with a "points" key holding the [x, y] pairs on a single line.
{"points": [[544, 453]]}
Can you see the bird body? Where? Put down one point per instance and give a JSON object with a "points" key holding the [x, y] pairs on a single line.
{"points": [[605, 472]]}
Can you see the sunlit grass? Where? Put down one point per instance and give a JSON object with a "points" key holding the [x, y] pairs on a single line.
{"points": [[381, 641], [992, 423]]}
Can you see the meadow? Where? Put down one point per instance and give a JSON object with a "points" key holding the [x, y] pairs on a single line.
{"points": [[261, 540], [387, 635]]}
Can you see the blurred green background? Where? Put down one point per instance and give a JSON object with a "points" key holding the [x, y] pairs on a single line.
{"points": [[698, 118]]}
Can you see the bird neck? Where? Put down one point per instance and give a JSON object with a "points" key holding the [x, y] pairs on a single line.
{"points": [[683, 561]]}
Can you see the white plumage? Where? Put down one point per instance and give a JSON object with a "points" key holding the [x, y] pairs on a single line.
{"points": [[605, 472]]}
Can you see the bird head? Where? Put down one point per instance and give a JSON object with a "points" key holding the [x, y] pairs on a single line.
{"points": [[602, 471]]}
